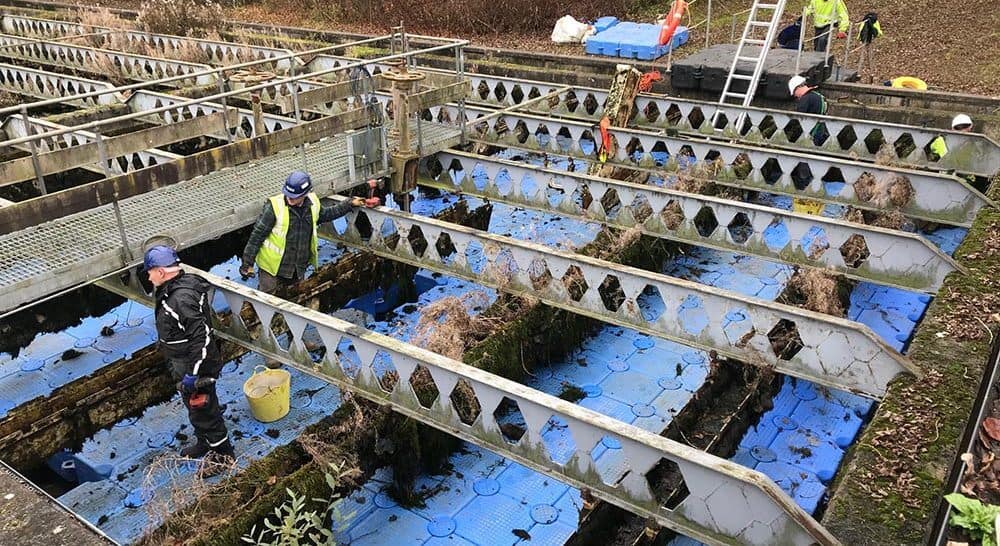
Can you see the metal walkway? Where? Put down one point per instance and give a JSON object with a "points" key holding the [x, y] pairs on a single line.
{"points": [[888, 257], [725, 504], [15, 127], [784, 337], [80, 248], [934, 197]]}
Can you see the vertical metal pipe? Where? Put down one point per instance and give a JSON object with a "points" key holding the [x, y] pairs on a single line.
{"points": [[847, 48], [126, 251], [708, 23], [829, 44], [298, 117], [732, 30]]}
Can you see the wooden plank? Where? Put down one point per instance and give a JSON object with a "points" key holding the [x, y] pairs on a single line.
{"points": [[20, 170]]}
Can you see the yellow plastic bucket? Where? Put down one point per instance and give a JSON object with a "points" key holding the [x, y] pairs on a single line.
{"points": [[909, 82], [806, 206], [268, 392]]}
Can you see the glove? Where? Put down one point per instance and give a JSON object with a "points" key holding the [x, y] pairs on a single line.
{"points": [[187, 385], [841, 35], [246, 271], [357, 201]]}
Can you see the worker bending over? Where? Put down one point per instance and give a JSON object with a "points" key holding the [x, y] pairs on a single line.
{"points": [[284, 241], [938, 148], [185, 339], [809, 101], [825, 14]]}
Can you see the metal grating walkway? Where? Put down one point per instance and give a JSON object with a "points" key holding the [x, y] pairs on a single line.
{"points": [[80, 248]]}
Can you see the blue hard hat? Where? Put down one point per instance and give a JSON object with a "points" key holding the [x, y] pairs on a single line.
{"points": [[160, 256], [297, 184]]}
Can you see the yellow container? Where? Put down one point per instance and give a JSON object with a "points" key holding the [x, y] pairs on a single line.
{"points": [[806, 206], [268, 392]]}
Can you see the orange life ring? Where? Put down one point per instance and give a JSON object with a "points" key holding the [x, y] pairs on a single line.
{"points": [[673, 19]]}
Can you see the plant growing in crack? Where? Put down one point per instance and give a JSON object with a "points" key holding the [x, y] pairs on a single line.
{"points": [[294, 524]]}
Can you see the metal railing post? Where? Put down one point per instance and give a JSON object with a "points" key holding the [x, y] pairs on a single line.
{"points": [[35, 163], [102, 154], [708, 23], [298, 116], [847, 49], [352, 169], [802, 40], [829, 44], [225, 110], [460, 69]]}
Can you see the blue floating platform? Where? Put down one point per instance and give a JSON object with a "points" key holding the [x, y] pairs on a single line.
{"points": [[634, 41]]}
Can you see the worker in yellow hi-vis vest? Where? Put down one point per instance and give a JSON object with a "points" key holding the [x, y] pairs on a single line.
{"points": [[937, 148], [825, 14], [284, 241]]}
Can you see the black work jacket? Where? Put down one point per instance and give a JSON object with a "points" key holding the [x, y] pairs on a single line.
{"points": [[184, 327]]}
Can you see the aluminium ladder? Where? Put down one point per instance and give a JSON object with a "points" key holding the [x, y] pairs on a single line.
{"points": [[751, 37]]}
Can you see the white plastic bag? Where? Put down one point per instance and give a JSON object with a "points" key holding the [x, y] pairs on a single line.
{"points": [[569, 31]]}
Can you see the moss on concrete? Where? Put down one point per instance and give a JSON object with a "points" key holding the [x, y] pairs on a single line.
{"points": [[886, 496]]}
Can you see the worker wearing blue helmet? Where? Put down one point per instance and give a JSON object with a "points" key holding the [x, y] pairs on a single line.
{"points": [[284, 241], [183, 328]]}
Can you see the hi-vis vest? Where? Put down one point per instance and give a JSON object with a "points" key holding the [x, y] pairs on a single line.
{"points": [[273, 248], [829, 12]]}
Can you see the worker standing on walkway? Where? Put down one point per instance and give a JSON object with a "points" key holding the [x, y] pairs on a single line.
{"points": [[809, 101], [183, 328], [284, 241], [937, 148], [825, 14]]}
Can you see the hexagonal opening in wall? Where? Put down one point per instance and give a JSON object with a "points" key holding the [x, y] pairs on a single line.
{"points": [[424, 386], [673, 115], [510, 420], [483, 90], [500, 91], [466, 403], [539, 274], [651, 303], [651, 112], [521, 132], [385, 371], [846, 137], [575, 283], [874, 141], [705, 221], [389, 233], [855, 251], [611, 293], [742, 166], [571, 101], [590, 103], [558, 441], [785, 339], [363, 225], [445, 248], [696, 117], [771, 171], [417, 241], [740, 229], [640, 208], [793, 130], [611, 203], [667, 483], [801, 176], [767, 127], [672, 215], [904, 145], [517, 94]]}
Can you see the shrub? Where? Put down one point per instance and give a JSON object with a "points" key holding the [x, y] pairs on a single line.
{"points": [[181, 17]]}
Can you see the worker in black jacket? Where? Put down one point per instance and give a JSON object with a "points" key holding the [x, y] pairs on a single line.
{"points": [[809, 101], [183, 326]]}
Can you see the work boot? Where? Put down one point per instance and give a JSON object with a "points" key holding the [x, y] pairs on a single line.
{"points": [[272, 364], [196, 450]]}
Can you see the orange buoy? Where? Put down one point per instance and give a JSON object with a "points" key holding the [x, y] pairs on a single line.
{"points": [[673, 19]]}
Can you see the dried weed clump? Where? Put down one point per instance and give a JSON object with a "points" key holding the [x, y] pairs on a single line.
{"points": [[447, 328], [816, 290], [181, 17], [893, 190]]}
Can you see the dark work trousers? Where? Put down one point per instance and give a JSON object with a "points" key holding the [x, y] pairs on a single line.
{"points": [[207, 420], [270, 283], [819, 42]]}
